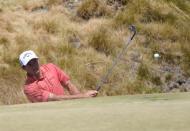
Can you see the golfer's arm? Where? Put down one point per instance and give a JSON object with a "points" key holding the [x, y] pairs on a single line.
{"points": [[53, 97], [73, 91], [71, 88]]}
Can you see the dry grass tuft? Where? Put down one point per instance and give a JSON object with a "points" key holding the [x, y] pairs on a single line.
{"points": [[54, 2], [11, 92], [186, 58], [92, 8], [32, 4], [121, 2], [102, 42], [50, 25]]}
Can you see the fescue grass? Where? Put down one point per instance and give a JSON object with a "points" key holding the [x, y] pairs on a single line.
{"points": [[92, 8], [155, 15], [102, 41], [49, 25], [182, 4], [144, 74], [123, 18], [54, 2], [122, 2], [168, 77], [186, 58]]}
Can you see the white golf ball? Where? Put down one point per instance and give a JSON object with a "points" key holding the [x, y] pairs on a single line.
{"points": [[156, 55]]}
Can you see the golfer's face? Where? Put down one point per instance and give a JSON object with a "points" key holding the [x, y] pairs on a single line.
{"points": [[32, 67]]}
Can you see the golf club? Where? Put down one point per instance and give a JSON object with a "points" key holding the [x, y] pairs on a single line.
{"points": [[132, 28]]}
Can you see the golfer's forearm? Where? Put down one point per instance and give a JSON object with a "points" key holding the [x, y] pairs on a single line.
{"points": [[72, 88], [66, 97]]}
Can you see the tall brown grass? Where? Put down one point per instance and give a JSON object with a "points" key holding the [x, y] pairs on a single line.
{"points": [[93, 8]]}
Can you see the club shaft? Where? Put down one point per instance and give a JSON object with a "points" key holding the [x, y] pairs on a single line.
{"points": [[109, 71]]}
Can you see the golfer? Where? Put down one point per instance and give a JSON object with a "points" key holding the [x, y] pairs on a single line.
{"points": [[48, 82]]}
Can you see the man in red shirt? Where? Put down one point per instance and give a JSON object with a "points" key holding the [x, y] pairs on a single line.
{"points": [[47, 82]]}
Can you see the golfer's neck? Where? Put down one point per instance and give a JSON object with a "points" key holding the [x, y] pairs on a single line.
{"points": [[36, 76]]}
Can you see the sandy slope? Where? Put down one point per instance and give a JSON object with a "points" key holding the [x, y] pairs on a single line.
{"points": [[158, 112]]}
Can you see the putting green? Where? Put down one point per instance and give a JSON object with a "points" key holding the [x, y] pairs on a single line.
{"points": [[157, 112]]}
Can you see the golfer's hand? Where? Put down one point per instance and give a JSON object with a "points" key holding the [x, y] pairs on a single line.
{"points": [[91, 93]]}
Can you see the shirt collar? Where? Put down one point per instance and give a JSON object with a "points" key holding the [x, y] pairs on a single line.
{"points": [[34, 79]]}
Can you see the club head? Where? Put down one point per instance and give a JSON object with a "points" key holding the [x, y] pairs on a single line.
{"points": [[132, 28]]}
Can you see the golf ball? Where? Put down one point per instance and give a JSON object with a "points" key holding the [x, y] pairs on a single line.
{"points": [[156, 55]]}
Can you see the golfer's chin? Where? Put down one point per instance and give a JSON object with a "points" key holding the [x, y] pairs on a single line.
{"points": [[35, 73]]}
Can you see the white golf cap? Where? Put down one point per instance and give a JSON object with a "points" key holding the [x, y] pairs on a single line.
{"points": [[26, 56]]}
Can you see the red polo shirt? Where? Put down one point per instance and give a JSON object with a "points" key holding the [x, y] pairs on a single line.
{"points": [[51, 80]]}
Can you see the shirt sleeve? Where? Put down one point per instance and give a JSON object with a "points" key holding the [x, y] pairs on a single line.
{"points": [[36, 95], [62, 76]]}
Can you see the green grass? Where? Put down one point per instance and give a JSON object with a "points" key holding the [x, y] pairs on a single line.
{"points": [[156, 112]]}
